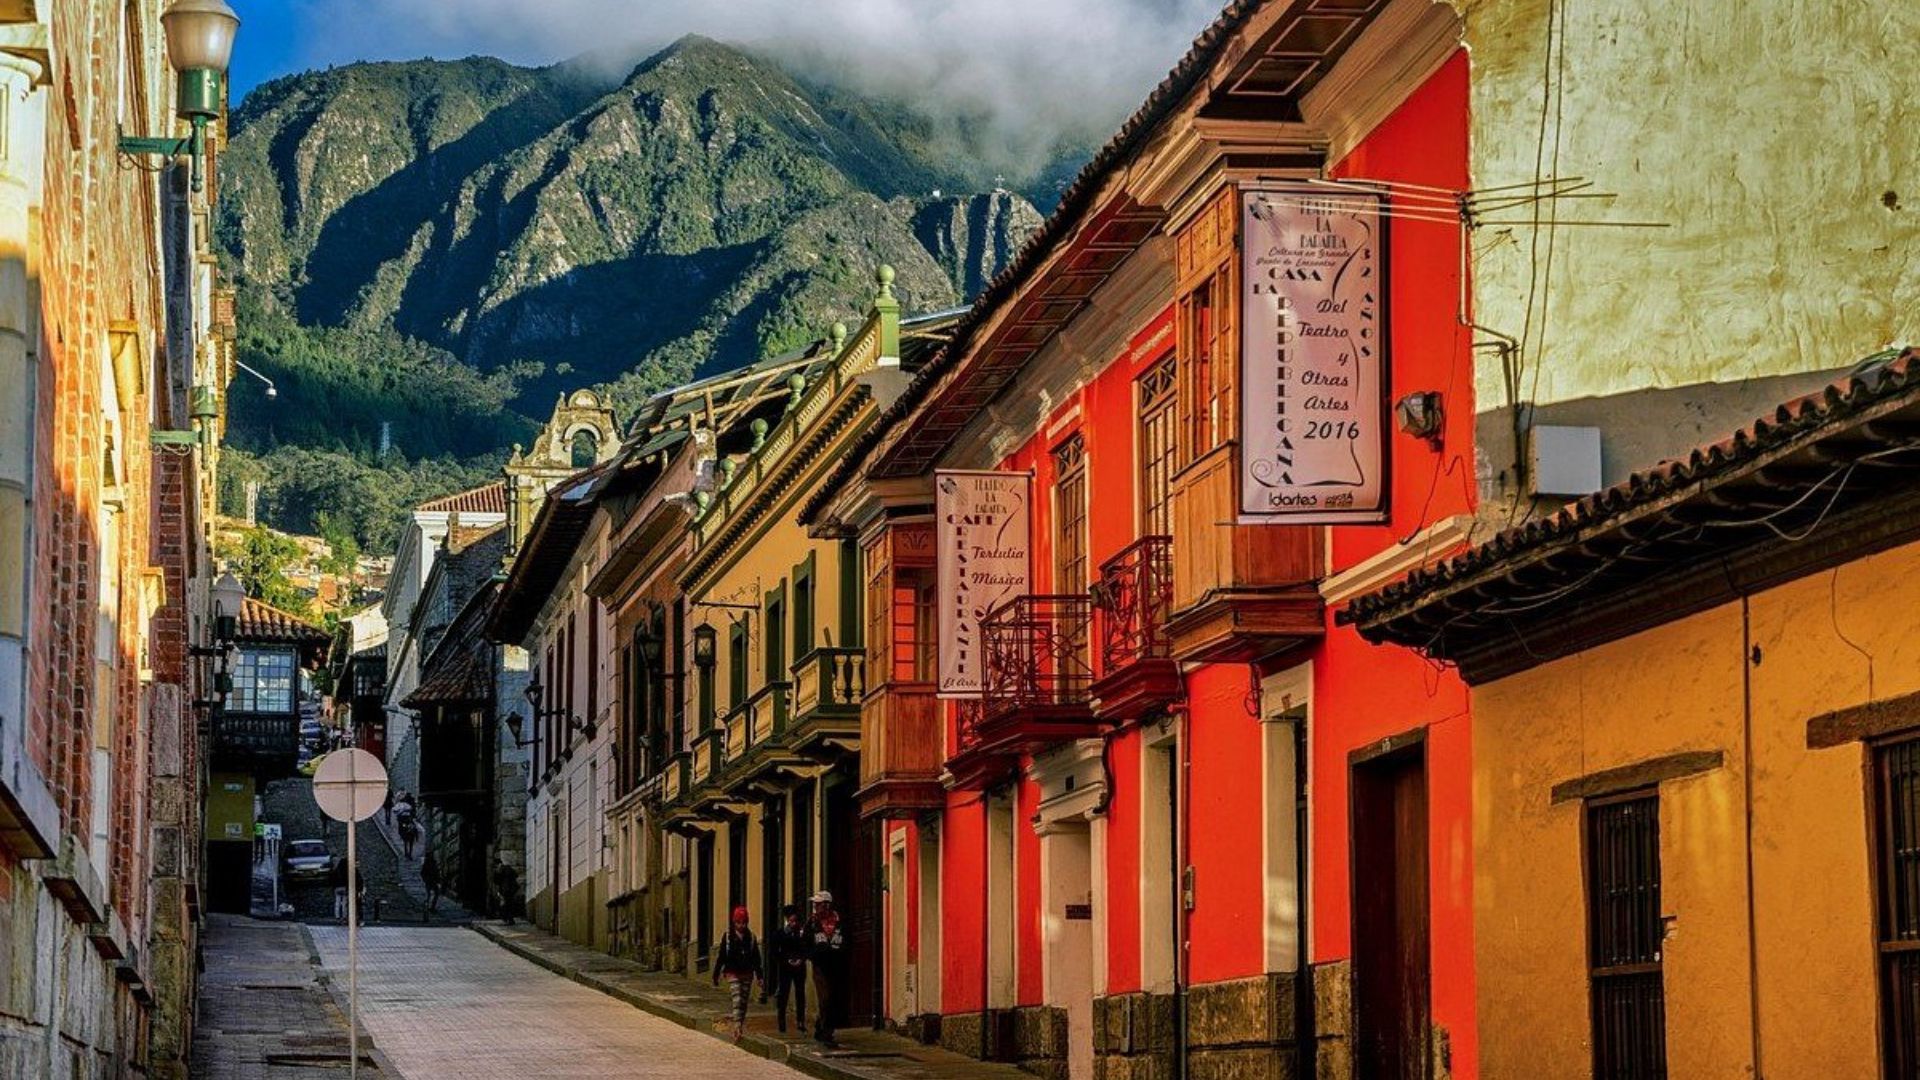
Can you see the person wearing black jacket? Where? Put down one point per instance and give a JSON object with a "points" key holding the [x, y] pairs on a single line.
{"points": [[827, 950], [787, 950], [738, 958]]}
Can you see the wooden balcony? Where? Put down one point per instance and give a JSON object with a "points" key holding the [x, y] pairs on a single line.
{"points": [[756, 737], [1138, 674], [676, 786], [1038, 683], [828, 685], [1240, 592], [709, 756], [265, 744], [900, 751]]}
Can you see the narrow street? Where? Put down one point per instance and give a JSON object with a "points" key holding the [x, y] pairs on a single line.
{"points": [[446, 1002]]}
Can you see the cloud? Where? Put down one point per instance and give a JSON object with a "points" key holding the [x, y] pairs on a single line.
{"points": [[1027, 75]]}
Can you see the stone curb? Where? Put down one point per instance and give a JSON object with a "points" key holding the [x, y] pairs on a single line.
{"points": [[775, 1050]]}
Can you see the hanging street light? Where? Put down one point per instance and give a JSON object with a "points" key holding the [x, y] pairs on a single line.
{"points": [[199, 48]]}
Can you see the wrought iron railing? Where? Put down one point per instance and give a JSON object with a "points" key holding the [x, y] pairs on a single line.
{"points": [[1135, 595], [1036, 655], [966, 728]]}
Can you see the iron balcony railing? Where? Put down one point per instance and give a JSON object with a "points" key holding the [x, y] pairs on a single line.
{"points": [[1135, 596], [1036, 656]]}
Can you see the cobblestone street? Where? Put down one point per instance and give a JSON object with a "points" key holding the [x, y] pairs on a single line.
{"points": [[446, 1002]]}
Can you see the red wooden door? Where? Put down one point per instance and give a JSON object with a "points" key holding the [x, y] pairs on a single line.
{"points": [[1391, 984]]}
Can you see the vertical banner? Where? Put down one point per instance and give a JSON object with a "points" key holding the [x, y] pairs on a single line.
{"points": [[1313, 395], [984, 560]]}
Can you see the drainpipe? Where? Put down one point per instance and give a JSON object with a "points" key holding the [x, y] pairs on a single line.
{"points": [[986, 918], [1182, 799], [1305, 1048]]}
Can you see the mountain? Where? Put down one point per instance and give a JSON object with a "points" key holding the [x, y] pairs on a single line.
{"points": [[426, 252]]}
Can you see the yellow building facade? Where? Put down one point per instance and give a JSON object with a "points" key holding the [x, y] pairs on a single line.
{"points": [[1694, 770], [765, 792]]}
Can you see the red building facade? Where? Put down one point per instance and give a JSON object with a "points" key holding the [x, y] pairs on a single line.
{"points": [[1191, 827]]}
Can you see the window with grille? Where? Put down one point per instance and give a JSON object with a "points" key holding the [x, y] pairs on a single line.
{"points": [[1896, 806], [1157, 447], [1624, 935]]}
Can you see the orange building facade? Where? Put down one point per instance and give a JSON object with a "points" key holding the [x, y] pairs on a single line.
{"points": [[1140, 854]]}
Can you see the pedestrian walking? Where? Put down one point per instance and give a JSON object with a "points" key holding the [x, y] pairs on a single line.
{"points": [[430, 877], [738, 959], [787, 957], [827, 951], [337, 877], [409, 832], [506, 887]]}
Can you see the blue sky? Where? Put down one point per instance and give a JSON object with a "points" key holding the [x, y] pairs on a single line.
{"points": [[269, 30]]}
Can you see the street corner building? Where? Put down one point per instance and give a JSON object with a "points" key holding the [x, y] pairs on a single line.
{"points": [[114, 356], [1695, 753]]}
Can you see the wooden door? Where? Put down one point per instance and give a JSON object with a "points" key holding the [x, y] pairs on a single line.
{"points": [[852, 851], [1391, 986]]}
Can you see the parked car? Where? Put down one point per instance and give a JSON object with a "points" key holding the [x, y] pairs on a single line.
{"points": [[307, 859]]}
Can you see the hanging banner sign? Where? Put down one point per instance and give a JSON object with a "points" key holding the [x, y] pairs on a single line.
{"points": [[984, 560], [1313, 398]]}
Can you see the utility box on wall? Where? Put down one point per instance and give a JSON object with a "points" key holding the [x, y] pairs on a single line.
{"points": [[1566, 461]]}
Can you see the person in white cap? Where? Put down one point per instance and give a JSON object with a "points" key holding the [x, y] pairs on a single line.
{"points": [[827, 946]]}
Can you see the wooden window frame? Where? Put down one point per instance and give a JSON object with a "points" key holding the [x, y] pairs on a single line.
{"points": [[1071, 562], [1157, 443]]}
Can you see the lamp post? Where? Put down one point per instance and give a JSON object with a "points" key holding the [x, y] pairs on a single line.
{"points": [[199, 47]]}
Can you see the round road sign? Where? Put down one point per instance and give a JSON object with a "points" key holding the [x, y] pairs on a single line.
{"points": [[349, 785]]}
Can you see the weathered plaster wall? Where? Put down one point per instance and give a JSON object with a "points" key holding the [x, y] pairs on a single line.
{"points": [[1828, 641], [1672, 689], [1767, 133]]}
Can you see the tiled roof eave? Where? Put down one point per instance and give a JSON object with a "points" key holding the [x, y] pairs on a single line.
{"points": [[1577, 535]]}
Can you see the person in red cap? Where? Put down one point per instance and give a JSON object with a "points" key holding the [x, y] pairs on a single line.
{"points": [[738, 958]]}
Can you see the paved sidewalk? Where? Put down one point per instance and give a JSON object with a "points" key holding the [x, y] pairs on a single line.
{"points": [[264, 1012], [864, 1054]]}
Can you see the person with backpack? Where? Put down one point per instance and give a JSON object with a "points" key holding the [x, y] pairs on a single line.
{"points": [[787, 956], [827, 950], [738, 958]]}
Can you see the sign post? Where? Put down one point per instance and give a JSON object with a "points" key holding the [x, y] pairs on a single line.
{"points": [[350, 786]]}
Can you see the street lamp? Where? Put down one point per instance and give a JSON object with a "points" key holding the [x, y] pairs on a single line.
{"points": [[515, 723], [228, 599], [535, 692], [705, 645], [199, 47]]}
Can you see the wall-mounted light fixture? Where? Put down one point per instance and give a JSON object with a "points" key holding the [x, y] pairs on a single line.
{"points": [[535, 693], [199, 48], [705, 646]]}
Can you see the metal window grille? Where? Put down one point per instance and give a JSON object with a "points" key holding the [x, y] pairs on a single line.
{"points": [[1896, 804], [1070, 525], [1624, 932]]}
